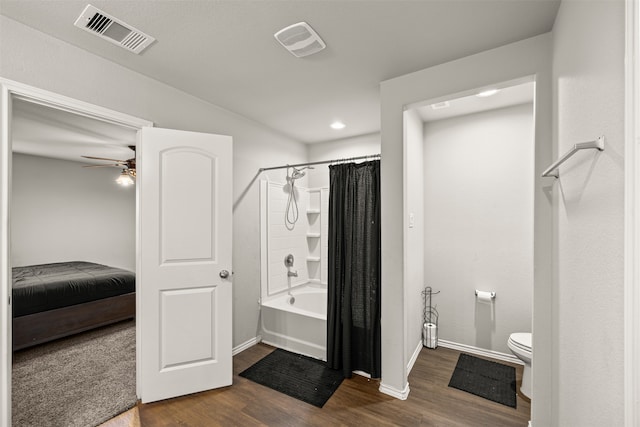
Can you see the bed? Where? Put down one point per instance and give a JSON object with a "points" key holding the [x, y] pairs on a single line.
{"points": [[52, 301]]}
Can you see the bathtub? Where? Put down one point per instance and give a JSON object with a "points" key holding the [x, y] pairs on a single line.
{"points": [[300, 327]]}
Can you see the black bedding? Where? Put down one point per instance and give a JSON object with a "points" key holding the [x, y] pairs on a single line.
{"points": [[38, 288]]}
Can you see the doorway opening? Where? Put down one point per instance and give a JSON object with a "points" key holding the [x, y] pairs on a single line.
{"points": [[469, 202], [43, 136], [73, 241]]}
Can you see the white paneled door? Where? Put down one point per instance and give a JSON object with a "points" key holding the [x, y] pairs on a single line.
{"points": [[184, 270]]}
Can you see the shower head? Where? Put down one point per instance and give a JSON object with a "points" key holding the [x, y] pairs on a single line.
{"points": [[299, 173]]}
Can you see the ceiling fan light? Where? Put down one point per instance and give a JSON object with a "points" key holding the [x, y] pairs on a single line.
{"points": [[125, 178]]}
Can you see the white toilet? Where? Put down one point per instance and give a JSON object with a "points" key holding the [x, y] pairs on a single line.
{"points": [[520, 344]]}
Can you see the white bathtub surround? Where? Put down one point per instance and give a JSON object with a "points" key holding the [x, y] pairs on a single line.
{"points": [[306, 241], [294, 308], [300, 327], [281, 241], [317, 234]]}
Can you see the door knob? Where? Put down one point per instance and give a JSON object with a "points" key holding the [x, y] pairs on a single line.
{"points": [[224, 274]]}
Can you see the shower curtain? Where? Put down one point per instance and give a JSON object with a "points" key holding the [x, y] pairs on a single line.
{"points": [[353, 309]]}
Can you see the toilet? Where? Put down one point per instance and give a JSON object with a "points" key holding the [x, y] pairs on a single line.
{"points": [[520, 345]]}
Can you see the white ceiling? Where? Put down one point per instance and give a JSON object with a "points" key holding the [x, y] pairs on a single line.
{"points": [[224, 51]]}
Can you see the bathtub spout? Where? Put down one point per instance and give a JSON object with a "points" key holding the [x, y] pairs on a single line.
{"points": [[292, 273]]}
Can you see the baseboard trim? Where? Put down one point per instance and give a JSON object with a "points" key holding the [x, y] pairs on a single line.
{"points": [[414, 357], [480, 351], [394, 392], [245, 345]]}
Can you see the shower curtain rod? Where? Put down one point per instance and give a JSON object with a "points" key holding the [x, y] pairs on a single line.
{"points": [[321, 162]]}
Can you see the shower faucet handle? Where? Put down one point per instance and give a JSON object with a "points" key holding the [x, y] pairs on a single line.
{"points": [[288, 261]]}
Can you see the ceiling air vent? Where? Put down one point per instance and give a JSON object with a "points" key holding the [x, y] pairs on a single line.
{"points": [[300, 39], [113, 30]]}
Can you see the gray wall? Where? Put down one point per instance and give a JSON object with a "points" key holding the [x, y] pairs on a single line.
{"points": [[34, 58], [588, 75], [63, 212], [338, 149], [415, 243], [479, 224]]}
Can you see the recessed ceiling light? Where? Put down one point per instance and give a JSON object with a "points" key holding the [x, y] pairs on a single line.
{"points": [[486, 93], [338, 125]]}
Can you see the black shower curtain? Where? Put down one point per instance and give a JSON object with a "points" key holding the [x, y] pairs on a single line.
{"points": [[353, 310]]}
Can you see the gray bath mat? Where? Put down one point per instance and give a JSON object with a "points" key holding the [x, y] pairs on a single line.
{"points": [[301, 377], [491, 380]]}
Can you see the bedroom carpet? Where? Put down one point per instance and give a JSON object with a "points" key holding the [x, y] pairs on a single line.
{"points": [[80, 381], [484, 378]]}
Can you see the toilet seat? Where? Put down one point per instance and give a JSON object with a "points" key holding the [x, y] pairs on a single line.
{"points": [[521, 340]]}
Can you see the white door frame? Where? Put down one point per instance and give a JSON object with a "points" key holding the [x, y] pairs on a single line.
{"points": [[632, 215], [10, 90]]}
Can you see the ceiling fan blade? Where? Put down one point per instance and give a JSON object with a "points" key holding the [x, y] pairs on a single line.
{"points": [[103, 158], [102, 166]]}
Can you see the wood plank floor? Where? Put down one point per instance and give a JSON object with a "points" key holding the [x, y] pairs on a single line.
{"points": [[357, 402]]}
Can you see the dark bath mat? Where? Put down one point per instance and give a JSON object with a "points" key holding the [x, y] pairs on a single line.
{"points": [[302, 377], [491, 380]]}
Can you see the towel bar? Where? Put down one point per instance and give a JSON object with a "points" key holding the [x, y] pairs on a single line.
{"points": [[597, 144]]}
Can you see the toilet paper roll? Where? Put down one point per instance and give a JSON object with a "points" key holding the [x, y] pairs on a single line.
{"points": [[485, 297], [431, 335]]}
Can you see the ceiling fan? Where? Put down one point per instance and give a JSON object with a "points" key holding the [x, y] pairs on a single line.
{"points": [[128, 175]]}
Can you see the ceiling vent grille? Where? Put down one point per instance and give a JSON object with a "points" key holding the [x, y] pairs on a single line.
{"points": [[300, 39], [113, 30]]}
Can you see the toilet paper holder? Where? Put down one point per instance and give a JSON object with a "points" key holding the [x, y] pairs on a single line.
{"points": [[485, 294], [430, 320]]}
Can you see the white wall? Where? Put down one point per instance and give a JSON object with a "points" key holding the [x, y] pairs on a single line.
{"points": [[36, 59], [63, 212], [588, 76], [338, 149], [478, 178], [531, 57], [414, 238]]}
